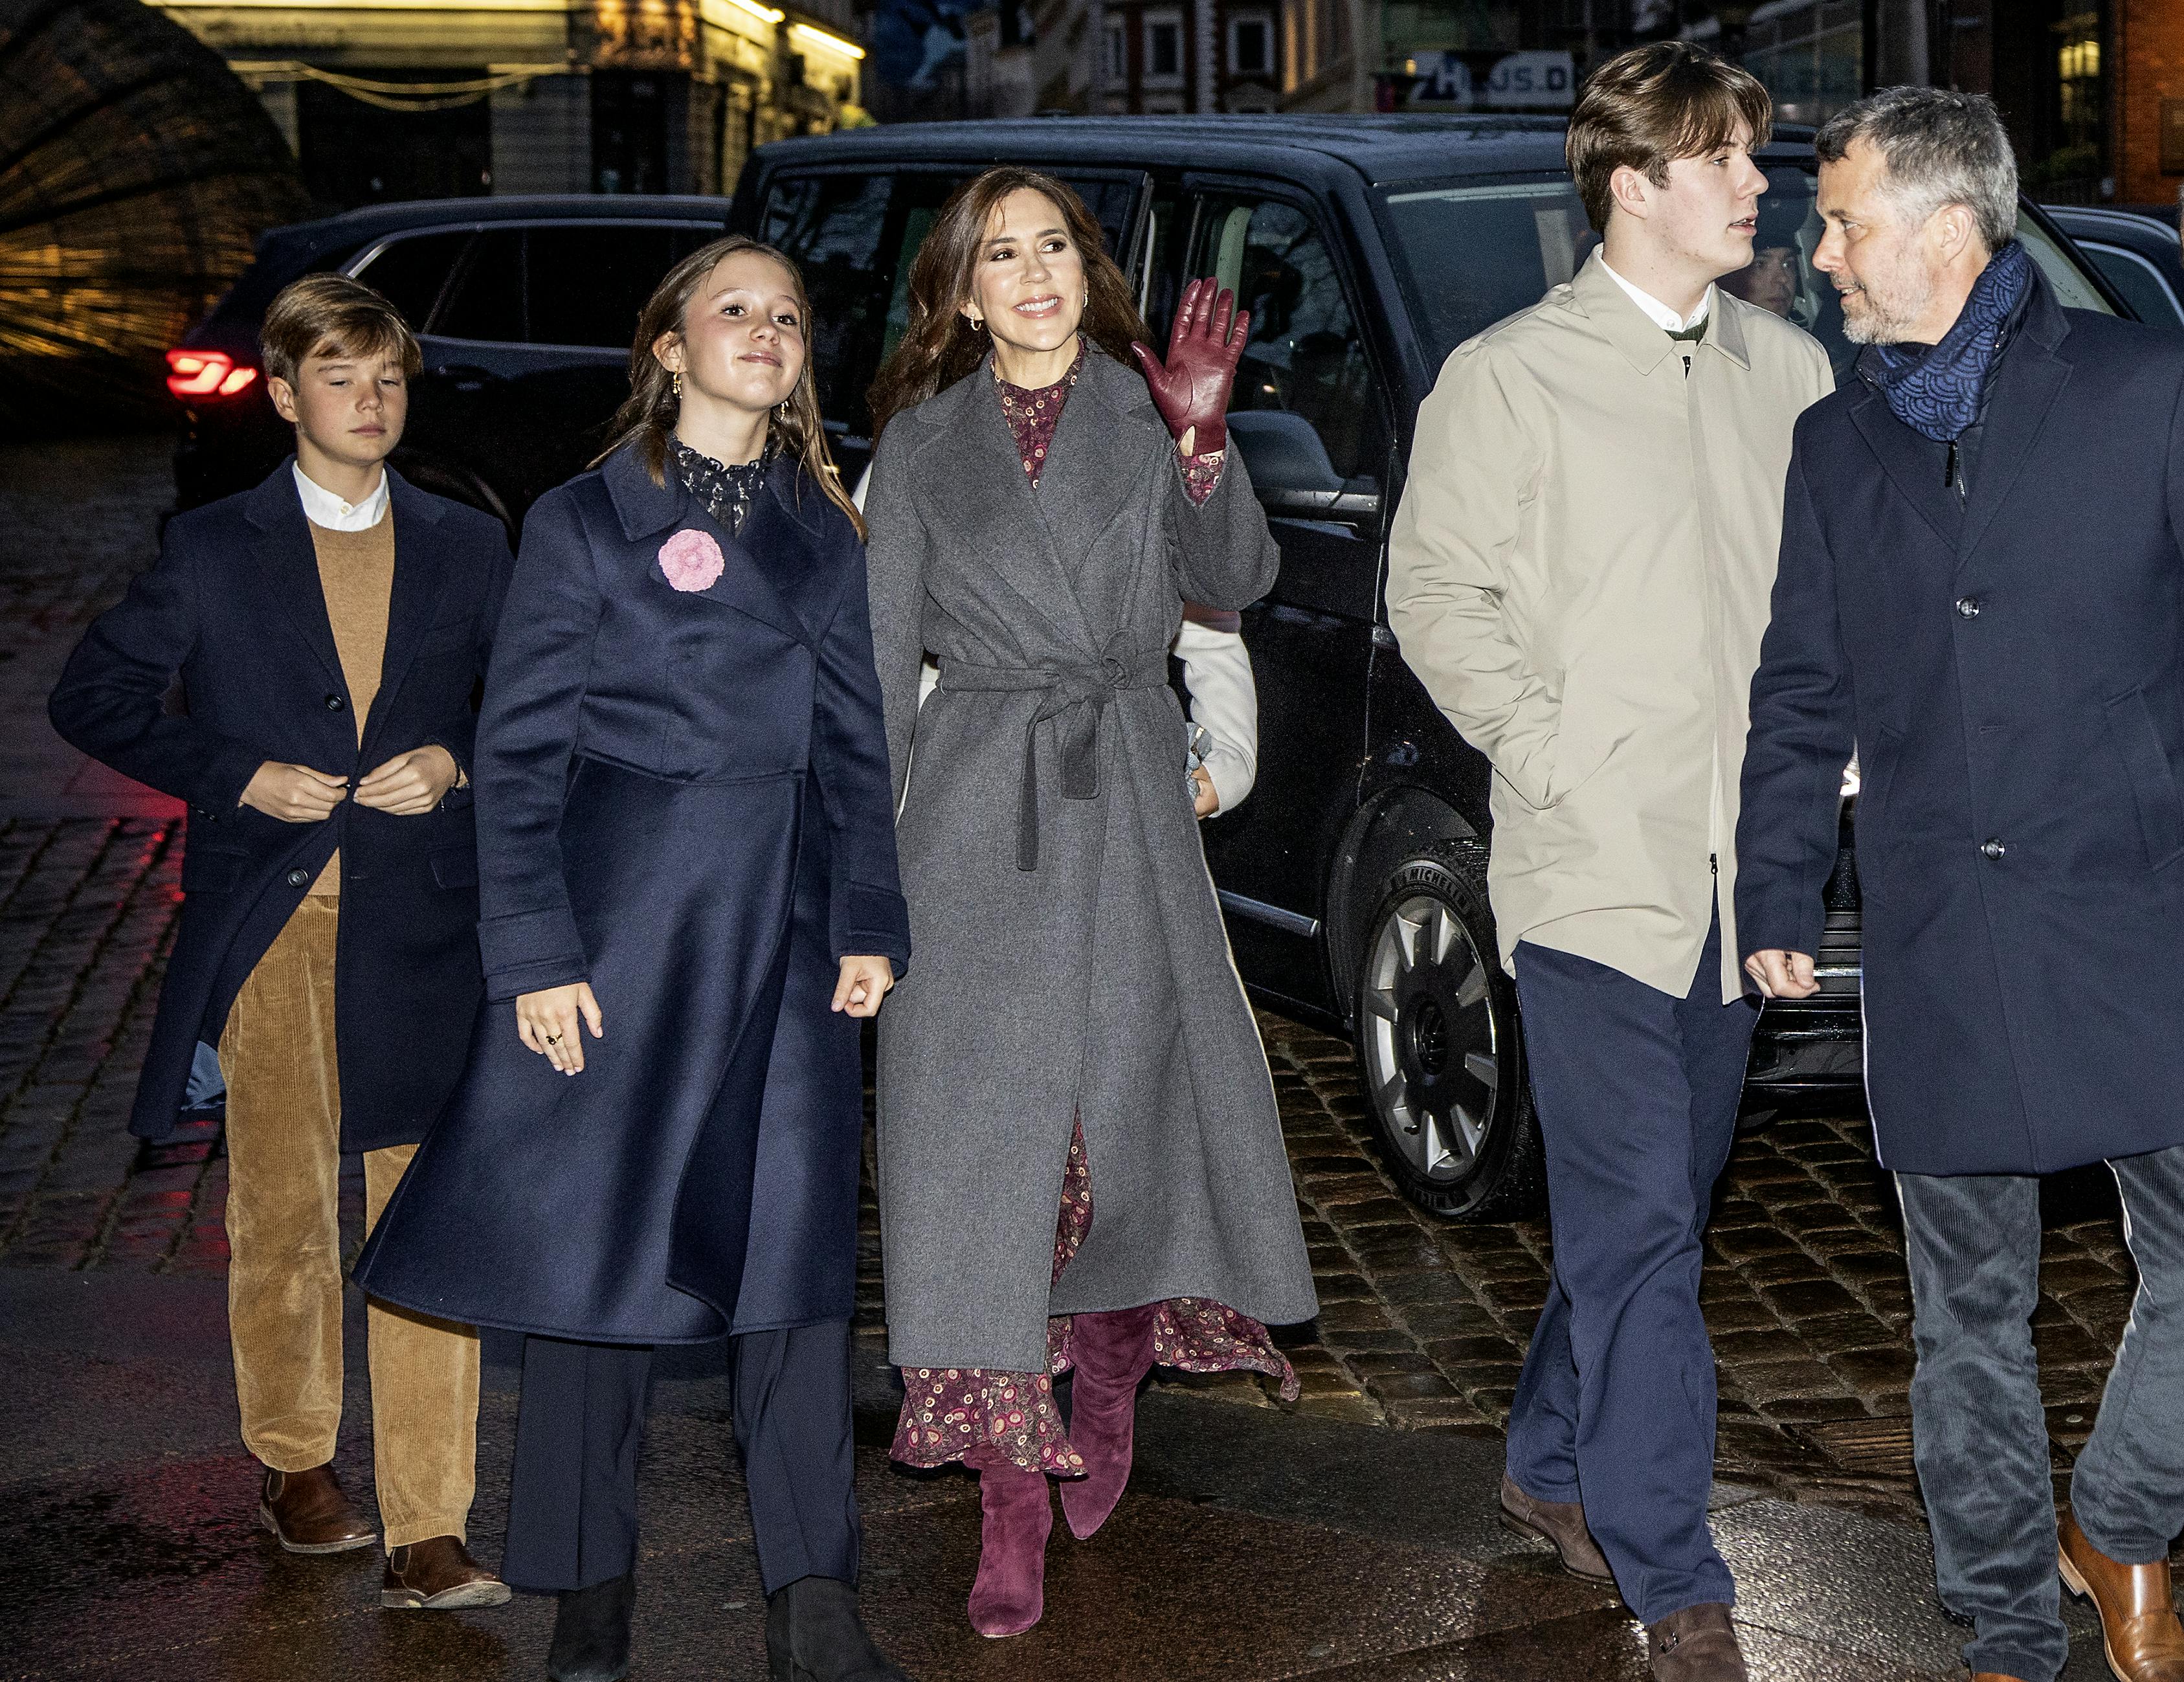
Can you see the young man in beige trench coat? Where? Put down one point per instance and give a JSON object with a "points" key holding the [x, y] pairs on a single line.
{"points": [[1579, 577]]}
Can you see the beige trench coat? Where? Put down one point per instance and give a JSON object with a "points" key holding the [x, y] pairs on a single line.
{"points": [[1580, 576]]}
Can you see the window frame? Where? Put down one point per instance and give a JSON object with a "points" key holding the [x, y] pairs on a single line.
{"points": [[1370, 509], [522, 225], [2088, 244], [1151, 25], [1269, 69]]}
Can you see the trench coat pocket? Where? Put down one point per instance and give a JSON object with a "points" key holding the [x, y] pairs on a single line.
{"points": [[209, 869], [454, 866], [2152, 779], [1578, 751]]}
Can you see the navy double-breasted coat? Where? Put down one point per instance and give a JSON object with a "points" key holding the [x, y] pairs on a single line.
{"points": [[683, 798], [234, 605], [2010, 666]]}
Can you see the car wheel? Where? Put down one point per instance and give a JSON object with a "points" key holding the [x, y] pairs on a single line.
{"points": [[1439, 1049]]}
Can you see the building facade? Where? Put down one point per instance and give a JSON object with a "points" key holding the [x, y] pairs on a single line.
{"points": [[1147, 57], [392, 99]]}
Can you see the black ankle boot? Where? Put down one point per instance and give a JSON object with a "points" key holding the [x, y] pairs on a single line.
{"points": [[813, 1635], [591, 1632]]}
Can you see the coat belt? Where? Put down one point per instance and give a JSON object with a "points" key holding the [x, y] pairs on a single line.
{"points": [[1076, 694]]}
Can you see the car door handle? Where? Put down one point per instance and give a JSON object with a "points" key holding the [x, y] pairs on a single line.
{"points": [[1339, 504]]}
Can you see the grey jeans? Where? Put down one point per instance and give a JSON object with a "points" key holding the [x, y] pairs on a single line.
{"points": [[1978, 1427]]}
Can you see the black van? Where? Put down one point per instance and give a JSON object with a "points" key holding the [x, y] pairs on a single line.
{"points": [[1366, 249]]}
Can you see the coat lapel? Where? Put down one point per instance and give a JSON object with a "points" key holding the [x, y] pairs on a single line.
{"points": [[418, 578], [291, 565], [2030, 378], [1087, 484], [968, 416], [1913, 471], [782, 538], [649, 513]]}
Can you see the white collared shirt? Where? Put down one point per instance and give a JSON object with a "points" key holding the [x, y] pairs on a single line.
{"points": [[1658, 313], [321, 507]]}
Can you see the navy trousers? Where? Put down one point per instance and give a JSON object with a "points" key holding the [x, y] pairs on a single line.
{"points": [[572, 1507], [1637, 1096]]}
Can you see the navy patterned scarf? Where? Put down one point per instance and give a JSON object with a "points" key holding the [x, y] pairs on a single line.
{"points": [[1937, 391]]}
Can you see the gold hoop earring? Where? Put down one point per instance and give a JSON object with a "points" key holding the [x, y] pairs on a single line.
{"points": [[677, 380], [978, 325], [782, 411]]}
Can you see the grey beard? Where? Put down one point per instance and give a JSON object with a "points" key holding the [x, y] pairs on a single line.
{"points": [[1879, 325]]}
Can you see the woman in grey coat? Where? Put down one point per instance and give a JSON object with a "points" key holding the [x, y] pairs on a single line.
{"points": [[1080, 1163]]}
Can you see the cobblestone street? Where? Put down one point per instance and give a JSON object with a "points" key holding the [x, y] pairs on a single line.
{"points": [[1422, 1323]]}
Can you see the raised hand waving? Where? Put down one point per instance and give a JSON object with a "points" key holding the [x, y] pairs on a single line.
{"points": [[1191, 389]]}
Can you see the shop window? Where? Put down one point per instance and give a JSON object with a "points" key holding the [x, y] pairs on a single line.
{"points": [[629, 132], [354, 154]]}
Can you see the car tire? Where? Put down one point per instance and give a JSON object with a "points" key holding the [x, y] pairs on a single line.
{"points": [[1439, 1051]]}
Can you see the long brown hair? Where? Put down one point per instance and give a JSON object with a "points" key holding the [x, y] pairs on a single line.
{"points": [[940, 346], [650, 413]]}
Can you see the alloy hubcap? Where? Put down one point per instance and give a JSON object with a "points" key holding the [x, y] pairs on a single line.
{"points": [[1430, 1038]]}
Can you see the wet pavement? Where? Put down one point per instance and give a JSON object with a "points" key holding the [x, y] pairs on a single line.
{"points": [[1346, 1536]]}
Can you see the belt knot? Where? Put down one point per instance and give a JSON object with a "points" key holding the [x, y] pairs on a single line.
{"points": [[1075, 695]]}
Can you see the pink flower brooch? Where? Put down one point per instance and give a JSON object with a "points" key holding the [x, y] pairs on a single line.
{"points": [[692, 560]]}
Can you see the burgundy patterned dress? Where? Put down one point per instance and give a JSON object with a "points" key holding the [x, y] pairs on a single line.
{"points": [[948, 1411]]}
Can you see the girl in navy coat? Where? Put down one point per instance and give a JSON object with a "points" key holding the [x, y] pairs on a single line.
{"points": [[689, 890]]}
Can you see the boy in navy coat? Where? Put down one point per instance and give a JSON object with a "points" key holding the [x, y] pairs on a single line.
{"points": [[329, 628]]}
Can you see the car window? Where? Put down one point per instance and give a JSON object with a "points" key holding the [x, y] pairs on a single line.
{"points": [[585, 284], [1306, 411], [2140, 283], [485, 300], [1473, 251], [411, 273], [835, 227]]}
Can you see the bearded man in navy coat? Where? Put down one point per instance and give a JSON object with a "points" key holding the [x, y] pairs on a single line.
{"points": [[1981, 590]]}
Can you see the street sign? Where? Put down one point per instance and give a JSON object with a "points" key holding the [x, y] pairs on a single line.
{"points": [[1532, 79], [1524, 81]]}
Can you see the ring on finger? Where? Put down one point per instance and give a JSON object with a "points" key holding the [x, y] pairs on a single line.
{"points": [[553, 1039]]}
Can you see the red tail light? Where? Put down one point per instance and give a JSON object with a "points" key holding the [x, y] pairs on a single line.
{"points": [[206, 373]]}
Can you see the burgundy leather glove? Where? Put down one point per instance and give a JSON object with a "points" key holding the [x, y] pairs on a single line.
{"points": [[1191, 389]]}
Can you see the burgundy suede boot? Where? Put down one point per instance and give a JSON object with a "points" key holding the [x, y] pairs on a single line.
{"points": [[1017, 1512], [1112, 1353]]}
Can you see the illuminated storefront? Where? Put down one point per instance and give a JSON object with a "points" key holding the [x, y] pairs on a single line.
{"points": [[389, 99]]}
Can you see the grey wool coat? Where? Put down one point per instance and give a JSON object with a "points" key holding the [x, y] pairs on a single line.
{"points": [[1071, 957]]}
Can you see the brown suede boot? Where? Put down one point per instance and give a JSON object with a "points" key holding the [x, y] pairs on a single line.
{"points": [[437, 1575], [1560, 1523], [2140, 1635], [1696, 1645], [307, 1513]]}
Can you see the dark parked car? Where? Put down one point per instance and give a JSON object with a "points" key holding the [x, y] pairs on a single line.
{"points": [[524, 307], [1366, 249], [2136, 249]]}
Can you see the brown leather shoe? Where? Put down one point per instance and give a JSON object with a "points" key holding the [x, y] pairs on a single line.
{"points": [[2140, 1635], [1560, 1523], [437, 1575], [307, 1513], [1696, 1645]]}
